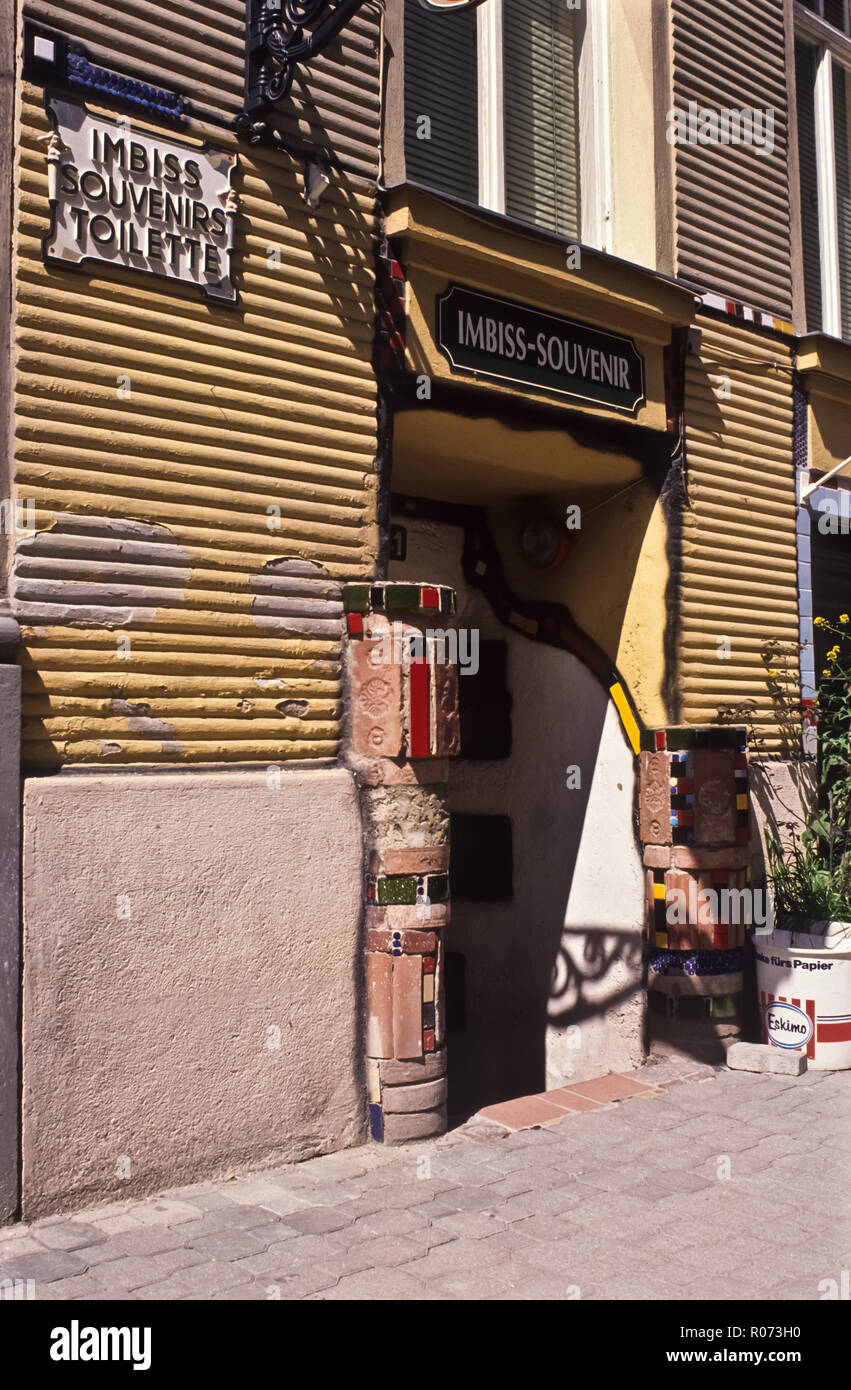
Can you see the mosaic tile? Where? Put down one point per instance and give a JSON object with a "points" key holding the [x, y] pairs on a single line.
{"points": [[419, 711], [356, 598], [403, 598], [673, 962], [398, 890], [437, 889], [407, 1007]]}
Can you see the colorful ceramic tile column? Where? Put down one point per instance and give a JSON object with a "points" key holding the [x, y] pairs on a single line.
{"points": [[403, 728], [694, 823]]}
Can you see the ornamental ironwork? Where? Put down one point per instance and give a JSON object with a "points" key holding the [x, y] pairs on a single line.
{"points": [[280, 35]]}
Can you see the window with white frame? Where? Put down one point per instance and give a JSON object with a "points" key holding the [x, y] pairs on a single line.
{"points": [[823, 82], [492, 108]]}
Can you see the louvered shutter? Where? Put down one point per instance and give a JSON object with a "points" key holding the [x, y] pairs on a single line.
{"points": [[732, 202], [441, 84], [541, 114], [834, 13], [843, 191], [737, 566], [805, 73]]}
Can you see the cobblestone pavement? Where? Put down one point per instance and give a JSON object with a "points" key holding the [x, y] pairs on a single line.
{"points": [[728, 1185]]}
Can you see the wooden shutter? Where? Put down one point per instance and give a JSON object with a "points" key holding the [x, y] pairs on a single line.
{"points": [[441, 83], [732, 202], [834, 13], [805, 76], [843, 191], [738, 575], [541, 115]]}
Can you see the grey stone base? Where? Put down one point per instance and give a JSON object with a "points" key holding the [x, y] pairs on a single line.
{"points": [[763, 1057]]}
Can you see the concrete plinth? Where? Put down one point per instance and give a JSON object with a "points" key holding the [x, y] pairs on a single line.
{"points": [[192, 998], [10, 960]]}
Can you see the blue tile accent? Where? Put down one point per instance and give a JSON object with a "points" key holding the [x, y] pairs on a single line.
{"points": [[85, 74], [805, 603], [376, 1123]]}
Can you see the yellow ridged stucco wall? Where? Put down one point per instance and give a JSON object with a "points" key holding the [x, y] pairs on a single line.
{"points": [[151, 510]]}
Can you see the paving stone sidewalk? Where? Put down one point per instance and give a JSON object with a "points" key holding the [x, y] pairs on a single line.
{"points": [[727, 1185]]}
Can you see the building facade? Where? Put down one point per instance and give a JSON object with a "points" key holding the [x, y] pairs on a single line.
{"points": [[193, 472], [407, 469]]}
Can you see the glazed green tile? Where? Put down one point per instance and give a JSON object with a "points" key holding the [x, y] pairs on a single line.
{"points": [[356, 598], [680, 740], [402, 596], [397, 890], [438, 888]]}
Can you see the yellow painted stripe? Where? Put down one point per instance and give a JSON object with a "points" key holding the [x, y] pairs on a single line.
{"points": [[374, 1083], [529, 625], [659, 890], [627, 716]]}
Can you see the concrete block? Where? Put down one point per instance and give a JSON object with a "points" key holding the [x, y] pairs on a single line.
{"points": [[408, 1006], [434, 860], [428, 1068], [410, 1100], [376, 697], [655, 799], [714, 798], [10, 956], [763, 1057], [447, 720], [192, 980], [399, 1129], [379, 994]]}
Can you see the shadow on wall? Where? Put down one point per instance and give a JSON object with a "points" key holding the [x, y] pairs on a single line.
{"points": [[545, 985]]}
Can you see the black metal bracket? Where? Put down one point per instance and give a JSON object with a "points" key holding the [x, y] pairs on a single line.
{"points": [[275, 43]]}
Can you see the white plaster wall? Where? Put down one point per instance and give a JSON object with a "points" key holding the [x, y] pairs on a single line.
{"points": [[532, 1022], [599, 971], [154, 1037]]}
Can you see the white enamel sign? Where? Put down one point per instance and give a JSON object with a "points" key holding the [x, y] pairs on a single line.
{"points": [[138, 201]]}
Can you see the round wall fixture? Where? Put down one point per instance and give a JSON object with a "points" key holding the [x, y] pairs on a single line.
{"points": [[438, 6], [544, 542]]}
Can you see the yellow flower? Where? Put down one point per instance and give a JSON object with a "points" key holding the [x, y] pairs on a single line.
{"points": [[771, 671], [825, 673], [843, 617], [819, 622]]}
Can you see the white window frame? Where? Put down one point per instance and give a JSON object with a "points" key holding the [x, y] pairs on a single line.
{"points": [[595, 131], [819, 11], [831, 47]]}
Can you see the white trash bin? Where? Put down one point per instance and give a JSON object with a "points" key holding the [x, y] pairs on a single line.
{"points": [[804, 984]]}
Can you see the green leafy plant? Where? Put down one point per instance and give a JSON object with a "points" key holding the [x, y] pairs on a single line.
{"points": [[810, 873]]}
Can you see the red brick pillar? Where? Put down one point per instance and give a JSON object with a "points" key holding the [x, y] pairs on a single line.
{"points": [[403, 689], [695, 832]]}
